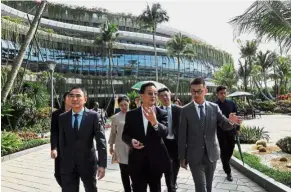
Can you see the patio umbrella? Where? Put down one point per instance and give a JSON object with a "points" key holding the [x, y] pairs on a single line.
{"points": [[138, 85], [239, 148], [240, 93]]}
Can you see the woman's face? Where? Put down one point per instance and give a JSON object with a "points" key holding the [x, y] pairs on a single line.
{"points": [[124, 105]]}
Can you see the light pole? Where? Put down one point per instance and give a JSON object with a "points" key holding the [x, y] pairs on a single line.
{"points": [[51, 66]]}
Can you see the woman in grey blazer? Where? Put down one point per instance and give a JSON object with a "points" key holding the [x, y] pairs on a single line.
{"points": [[121, 150]]}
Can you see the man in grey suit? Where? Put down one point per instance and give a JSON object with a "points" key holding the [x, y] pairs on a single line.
{"points": [[77, 129], [198, 144]]}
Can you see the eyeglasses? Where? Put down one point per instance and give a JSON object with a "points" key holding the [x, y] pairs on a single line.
{"points": [[75, 95], [152, 94], [199, 92]]}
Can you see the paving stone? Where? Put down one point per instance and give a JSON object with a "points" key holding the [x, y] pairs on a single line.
{"points": [[34, 172], [243, 188]]}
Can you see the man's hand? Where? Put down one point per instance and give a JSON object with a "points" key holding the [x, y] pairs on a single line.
{"points": [[150, 114], [111, 150], [100, 172], [136, 144], [54, 153], [183, 164], [234, 119]]}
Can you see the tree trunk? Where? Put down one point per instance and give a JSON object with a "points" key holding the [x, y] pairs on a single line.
{"points": [[156, 58], [262, 93], [245, 78], [110, 68], [178, 79], [266, 87], [19, 58]]}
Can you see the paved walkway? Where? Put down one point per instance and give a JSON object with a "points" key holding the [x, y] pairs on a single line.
{"points": [[278, 126], [34, 173]]}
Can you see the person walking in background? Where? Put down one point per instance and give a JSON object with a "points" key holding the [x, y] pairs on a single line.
{"points": [[178, 102], [78, 127], [55, 134], [226, 138], [121, 150], [137, 101], [144, 130], [171, 141], [198, 142], [102, 114]]}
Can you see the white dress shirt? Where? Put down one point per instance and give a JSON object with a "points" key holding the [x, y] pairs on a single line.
{"points": [[170, 121], [198, 109], [145, 122]]}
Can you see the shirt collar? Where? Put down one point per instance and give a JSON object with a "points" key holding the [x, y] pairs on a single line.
{"points": [[197, 105], [80, 113]]}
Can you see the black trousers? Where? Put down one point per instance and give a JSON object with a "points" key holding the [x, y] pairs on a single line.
{"points": [[124, 171], [226, 141], [57, 170], [146, 176], [71, 181], [172, 174]]}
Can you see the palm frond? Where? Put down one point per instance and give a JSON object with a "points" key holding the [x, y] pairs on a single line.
{"points": [[270, 19]]}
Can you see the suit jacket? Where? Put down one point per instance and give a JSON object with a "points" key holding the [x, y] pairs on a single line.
{"points": [[78, 150], [176, 110], [154, 152], [55, 128], [193, 138]]}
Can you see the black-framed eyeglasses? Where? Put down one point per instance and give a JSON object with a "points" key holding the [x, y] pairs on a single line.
{"points": [[199, 92]]}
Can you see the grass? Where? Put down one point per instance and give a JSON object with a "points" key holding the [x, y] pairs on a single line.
{"points": [[255, 162]]}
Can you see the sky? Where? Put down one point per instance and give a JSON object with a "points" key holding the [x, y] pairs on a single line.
{"points": [[206, 19]]}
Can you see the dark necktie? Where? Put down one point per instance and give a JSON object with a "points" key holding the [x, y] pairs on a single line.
{"points": [[202, 116], [76, 124]]}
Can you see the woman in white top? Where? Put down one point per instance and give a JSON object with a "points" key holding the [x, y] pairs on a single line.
{"points": [[121, 150]]}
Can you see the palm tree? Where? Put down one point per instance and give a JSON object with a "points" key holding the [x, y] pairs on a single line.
{"points": [[248, 52], [179, 46], [244, 72], [151, 17], [105, 40], [283, 72], [19, 58], [257, 78], [226, 75], [266, 61], [270, 19]]}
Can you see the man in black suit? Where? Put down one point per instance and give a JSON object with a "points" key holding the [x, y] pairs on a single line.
{"points": [[55, 134], [171, 141], [144, 130], [226, 138], [78, 127]]}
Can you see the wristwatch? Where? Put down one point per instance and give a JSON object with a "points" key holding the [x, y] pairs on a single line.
{"points": [[156, 126]]}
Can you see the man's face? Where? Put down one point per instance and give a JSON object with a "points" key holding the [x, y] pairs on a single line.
{"points": [[165, 98], [77, 98], [198, 92], [137, 101], [149, 96], [221, 95]]}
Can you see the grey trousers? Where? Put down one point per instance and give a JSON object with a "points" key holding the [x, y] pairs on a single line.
{"points": [[202, 174]]}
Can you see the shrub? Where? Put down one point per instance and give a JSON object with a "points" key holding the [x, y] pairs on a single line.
{"points": [[254, 162], [283, 106], [264, 105], [27, 135], [285, 144], [261, 142], [9, 142], [250, 134]]}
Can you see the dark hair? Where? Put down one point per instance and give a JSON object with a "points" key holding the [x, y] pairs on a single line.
{"points": [[144, 86], [82, 89], [122, 98], [178, 100], [64, 99], [163, 89], [198, 81], [219, 88], [137, 97]]}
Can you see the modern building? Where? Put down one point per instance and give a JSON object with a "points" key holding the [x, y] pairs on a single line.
{"points": [[66, 35]]}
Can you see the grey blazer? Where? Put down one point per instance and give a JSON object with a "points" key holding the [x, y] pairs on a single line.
{"points": [[193, 138]]}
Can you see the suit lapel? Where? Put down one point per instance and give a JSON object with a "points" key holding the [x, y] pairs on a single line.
{"points": [[83, 120], [140, 118], [208, 113], [194, 112]]}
